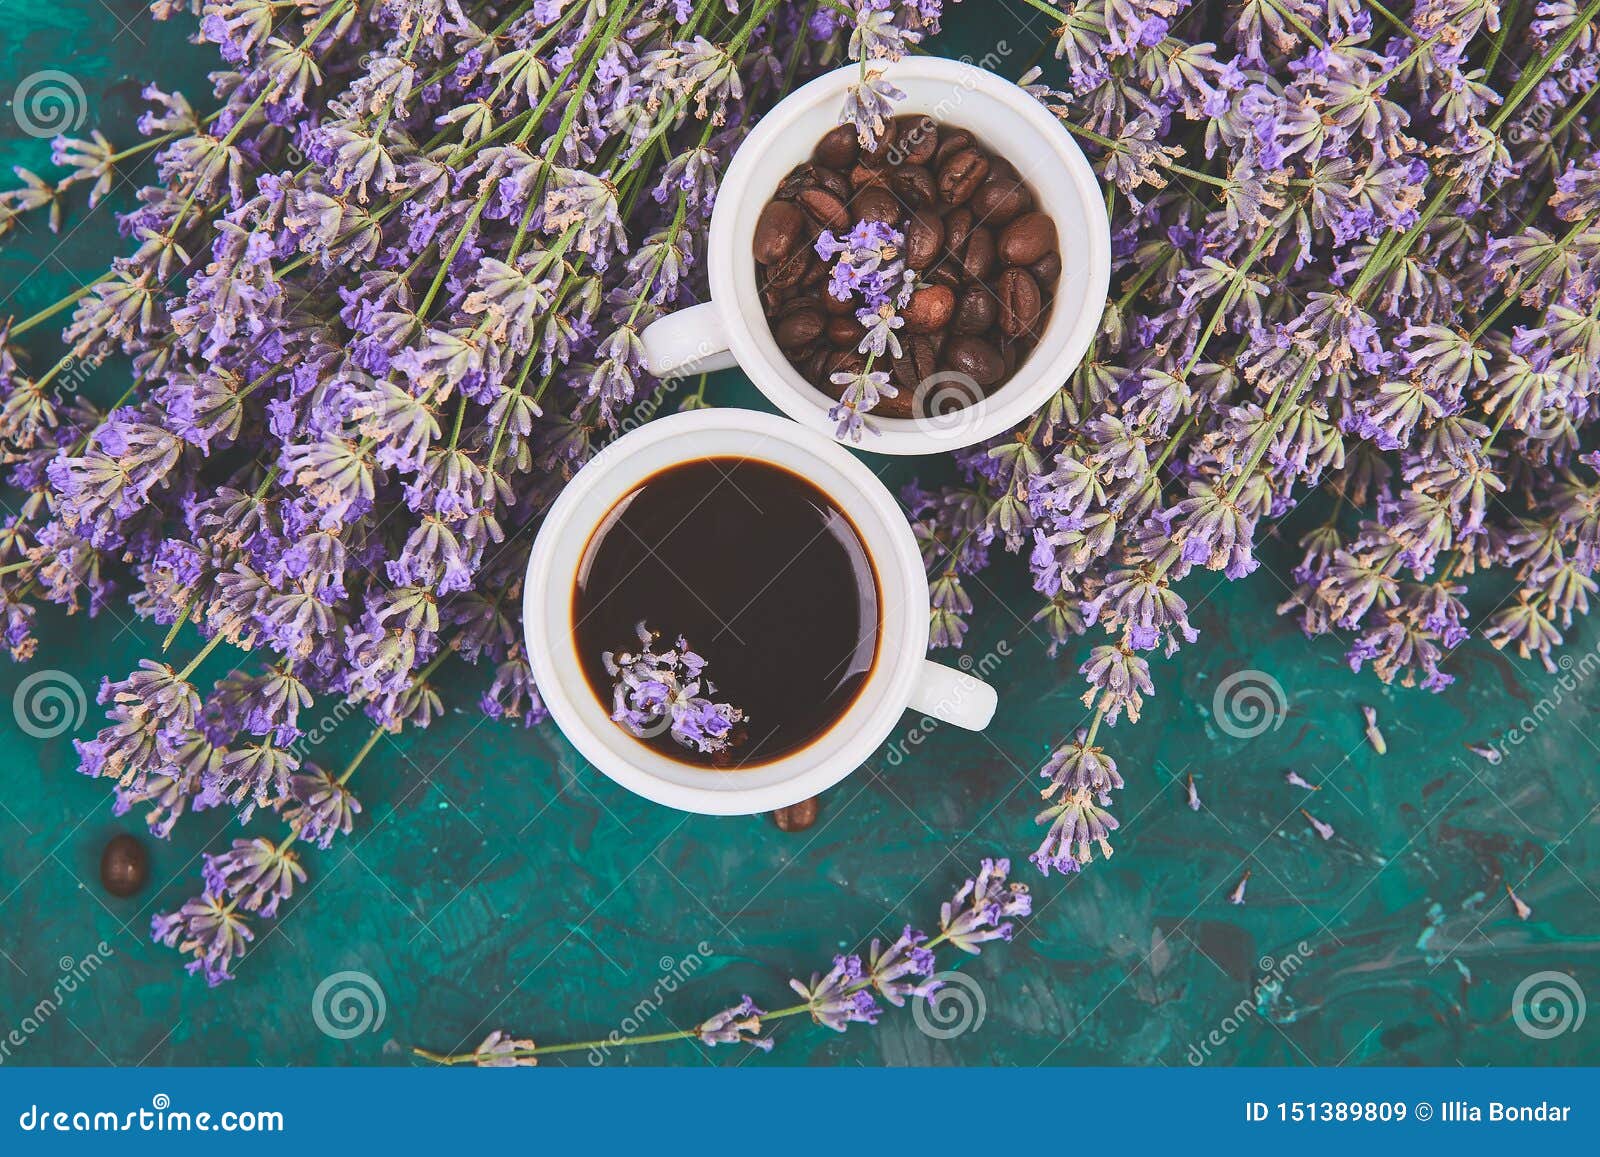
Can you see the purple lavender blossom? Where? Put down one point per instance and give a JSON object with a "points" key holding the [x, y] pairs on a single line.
{"points": [[837, 999], [661, 692], [740, 1024]]}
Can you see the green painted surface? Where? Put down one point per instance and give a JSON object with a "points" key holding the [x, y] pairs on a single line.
{"points": [[497, 881]]}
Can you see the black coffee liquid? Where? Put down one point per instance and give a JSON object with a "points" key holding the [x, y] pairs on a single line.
{"points": [[764, 576]]}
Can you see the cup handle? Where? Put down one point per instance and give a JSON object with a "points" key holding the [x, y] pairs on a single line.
{"points": [[953, 696], [686, 342]]}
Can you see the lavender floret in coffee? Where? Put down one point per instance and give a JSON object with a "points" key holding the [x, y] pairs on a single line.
{"points": [[920, 262], [668, 691]]}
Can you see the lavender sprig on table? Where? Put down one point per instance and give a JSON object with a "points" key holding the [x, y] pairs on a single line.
{"points": [[658, 691], [982, 910]]}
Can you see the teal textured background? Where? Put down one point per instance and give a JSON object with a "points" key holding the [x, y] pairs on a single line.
{"points": [[497, 881]]}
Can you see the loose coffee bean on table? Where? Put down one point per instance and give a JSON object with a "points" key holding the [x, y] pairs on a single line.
{"points": [[986, 259]]}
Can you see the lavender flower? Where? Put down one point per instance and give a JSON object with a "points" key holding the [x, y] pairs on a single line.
{"points": [[207, 929], [499, 1051], [981, 909], [736, 1025], [662, 692], [836, 999]]}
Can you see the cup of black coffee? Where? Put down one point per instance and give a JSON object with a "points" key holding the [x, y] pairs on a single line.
{"points": [[727, 613], [1027, 274]]}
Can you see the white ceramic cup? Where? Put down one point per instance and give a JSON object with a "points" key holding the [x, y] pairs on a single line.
{"points": [[730, 329], [900, 677]]}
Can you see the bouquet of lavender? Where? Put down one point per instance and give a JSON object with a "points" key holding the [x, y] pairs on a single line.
{"points": [[1356, 251], [380, 304], [386, 299]]}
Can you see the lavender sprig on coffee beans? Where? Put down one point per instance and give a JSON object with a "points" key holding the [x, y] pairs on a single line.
{"points": [[922, 249]]}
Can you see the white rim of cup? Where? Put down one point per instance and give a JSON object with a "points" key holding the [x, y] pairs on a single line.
{"points": [[1053, 360], [565, 691]]}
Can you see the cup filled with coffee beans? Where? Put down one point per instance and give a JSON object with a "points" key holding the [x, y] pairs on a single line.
{"points": [[727, 613], [914, 294]]}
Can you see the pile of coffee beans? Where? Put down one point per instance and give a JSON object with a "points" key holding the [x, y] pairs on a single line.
{"points": [[987, 261]]}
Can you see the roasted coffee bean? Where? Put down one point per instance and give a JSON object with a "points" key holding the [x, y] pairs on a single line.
{"points": [[797, 817], [977, 257], [1011, 353], [929, 309], [1000, 199], [865, 176], [916, 141], [771, 299], [875, 204], [918, 361], [788, 274], [1020, 302], [799, 325], [975, 358], [800, 177], [951, 143], [780, 229], [1000, 167], [976, 310], [124, 865], [838, 149], [914, 184], [947, 272], [833, 180], [960, 176], [816, 272], [844, 362], [957, 228], [898, 406], [836, 307], [1027, 239], [880, 148], [845, 332], [924, 238], [1047, 270], [812, 364]]}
